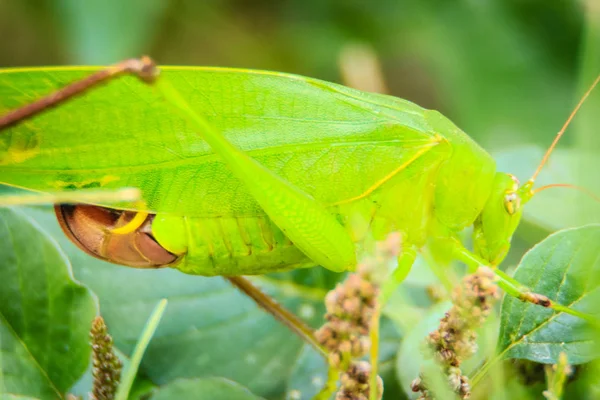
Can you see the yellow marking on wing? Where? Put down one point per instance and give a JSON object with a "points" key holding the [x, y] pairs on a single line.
{"points": [[389, 176], [18, 148], [17, 156], [132, 225]]}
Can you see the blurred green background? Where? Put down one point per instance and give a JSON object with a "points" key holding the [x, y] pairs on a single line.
{"points": [[508, 72]]}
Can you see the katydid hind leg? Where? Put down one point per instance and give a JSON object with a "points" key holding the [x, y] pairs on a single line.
{"points": [[308, 224]]}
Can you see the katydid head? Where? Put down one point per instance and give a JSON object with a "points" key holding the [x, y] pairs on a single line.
{"points": [[495, 225], [96, 231], [502, 212]]}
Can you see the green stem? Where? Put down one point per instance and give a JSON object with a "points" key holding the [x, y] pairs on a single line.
{"points": [[405, 261], [374, 351], [481, 372], [140, 348], [330, 387]]}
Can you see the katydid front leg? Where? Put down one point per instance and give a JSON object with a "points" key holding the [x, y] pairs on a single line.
{"points": [[511, 286]]}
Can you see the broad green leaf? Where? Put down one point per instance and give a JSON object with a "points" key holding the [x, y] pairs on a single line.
{"points": [[45, 315], [204, 389], [566, 268], [209, 328], [308, 376]]}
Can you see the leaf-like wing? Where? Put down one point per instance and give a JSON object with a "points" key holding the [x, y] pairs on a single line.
{"points": [[314, 134]]}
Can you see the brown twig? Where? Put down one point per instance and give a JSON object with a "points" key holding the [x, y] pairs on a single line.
{"points": [[143, 67]]}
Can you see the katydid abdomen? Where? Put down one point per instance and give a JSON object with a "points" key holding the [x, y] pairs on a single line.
{"points": [[376, 163]]}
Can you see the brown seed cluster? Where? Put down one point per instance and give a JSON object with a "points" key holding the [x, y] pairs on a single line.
{"points": [[355, 382], [351, 308], [454, 340], [107, 366]]}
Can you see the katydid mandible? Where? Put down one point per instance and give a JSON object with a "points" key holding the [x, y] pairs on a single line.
{"points": [[248, 172]]}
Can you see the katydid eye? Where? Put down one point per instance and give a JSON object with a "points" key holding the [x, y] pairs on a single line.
{"points": [[92, 228], [512, 202]]}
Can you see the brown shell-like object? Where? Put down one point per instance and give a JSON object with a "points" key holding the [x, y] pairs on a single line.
{"points": [[91, 229]]}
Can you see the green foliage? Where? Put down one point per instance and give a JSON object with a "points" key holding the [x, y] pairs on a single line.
{"points": [[566, 267], [45, 315], [204, 389]]}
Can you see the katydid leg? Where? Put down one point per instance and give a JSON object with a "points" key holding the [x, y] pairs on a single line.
{"points": [[308, 224], [405, 261], [512, 287]]}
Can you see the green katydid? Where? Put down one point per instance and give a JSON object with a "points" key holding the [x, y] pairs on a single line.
{"points": [[248, 172]]}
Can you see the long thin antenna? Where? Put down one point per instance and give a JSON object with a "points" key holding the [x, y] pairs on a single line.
{"points": [[564, 128], [567, 185]]}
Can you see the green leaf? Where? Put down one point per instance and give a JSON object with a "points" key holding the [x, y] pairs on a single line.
{"points": [[45, 315], [209, 328], [566, 268], [309, 375], [204, 389]]}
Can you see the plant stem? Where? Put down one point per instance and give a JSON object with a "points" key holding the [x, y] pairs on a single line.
{"points": [[140, 348]]}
